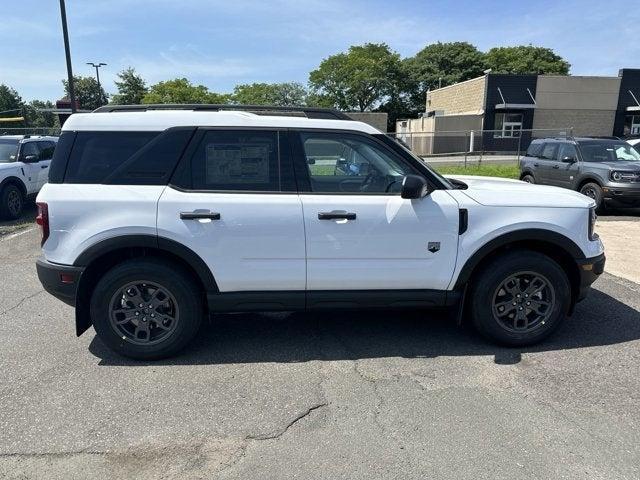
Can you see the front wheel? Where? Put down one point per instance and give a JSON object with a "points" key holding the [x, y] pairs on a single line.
{"points": [[519, 298], [594, 191], [146, 309], [11, 202]]}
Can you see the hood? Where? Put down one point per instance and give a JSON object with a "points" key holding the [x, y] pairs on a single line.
{"points": [[621, 165], [506, 192]]}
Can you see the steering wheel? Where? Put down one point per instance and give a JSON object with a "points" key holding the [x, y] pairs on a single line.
{"points": [[368, 181]]}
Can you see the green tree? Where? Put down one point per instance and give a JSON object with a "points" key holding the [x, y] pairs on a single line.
{"points": [[279, 94], [180, 90], [9, 100], [441, 64], [35, 117], [131, 88], [526, 59], [89, 94], [360, 79]]}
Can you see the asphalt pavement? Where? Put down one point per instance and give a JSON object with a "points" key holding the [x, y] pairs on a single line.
{"points": [[367, 395]]}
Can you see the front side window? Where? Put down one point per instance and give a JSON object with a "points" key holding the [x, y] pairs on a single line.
{"points": [[29, 149], [232, 160], [594, 151], [508, 125], [567, 150], [8, 150], [346, 163]]}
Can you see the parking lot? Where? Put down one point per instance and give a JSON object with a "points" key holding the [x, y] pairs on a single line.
{"points": [[370, 395]]}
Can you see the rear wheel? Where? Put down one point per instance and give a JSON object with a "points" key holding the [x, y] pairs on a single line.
{"points": [[519, 298], [11, 202], [146, 309], [528, 179]]}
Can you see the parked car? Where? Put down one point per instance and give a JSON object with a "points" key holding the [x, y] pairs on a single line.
{"points": [[635, 142], [24, 167], [153, 217], [606, 170]]}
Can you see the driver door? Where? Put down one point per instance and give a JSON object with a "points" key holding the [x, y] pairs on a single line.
{"points": [[29, 156], [359, 233]]}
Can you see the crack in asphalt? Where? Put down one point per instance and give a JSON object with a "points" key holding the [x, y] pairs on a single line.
{"points": [[19, 304], [282, 431]]}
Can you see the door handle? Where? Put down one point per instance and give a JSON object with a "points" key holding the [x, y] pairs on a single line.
{"points": [[556, 167], [536, 164], [199, 215], [44, 166], [336, 215]]}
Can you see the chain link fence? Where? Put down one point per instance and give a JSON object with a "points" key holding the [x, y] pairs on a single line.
{"points": [[475, 147], [30, 131]]}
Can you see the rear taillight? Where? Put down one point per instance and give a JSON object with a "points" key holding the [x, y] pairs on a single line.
{"points": [[43, 221]]}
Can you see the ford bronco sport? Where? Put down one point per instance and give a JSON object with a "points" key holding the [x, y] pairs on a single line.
{"points": [[605, 169], [155, 215], [24, 167]]}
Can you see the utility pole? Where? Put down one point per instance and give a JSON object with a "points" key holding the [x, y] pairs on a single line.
{"points": [[67, 52], [97, 67]]}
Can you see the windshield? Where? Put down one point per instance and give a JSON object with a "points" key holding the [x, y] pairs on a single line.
{"points": [[8, 150], [609, 152]]}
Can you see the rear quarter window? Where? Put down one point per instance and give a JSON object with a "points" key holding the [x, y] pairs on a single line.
{"points": [[96, 155]]}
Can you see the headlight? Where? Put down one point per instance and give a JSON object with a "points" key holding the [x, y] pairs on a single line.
{"points": [[621, 176], [593, 236]]}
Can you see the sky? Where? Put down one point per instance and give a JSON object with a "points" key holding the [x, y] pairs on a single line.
{"points": [[222, 43]]}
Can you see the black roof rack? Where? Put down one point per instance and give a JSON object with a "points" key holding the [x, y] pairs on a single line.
{"points": [[309, 112]]}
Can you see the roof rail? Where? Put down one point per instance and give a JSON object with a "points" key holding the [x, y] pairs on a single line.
{"points": [[309, 112]]}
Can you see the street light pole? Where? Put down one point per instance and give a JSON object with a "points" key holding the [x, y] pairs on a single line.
{"points": [[67, 52], [97, 67]]}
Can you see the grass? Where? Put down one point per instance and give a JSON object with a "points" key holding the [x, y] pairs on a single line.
{"points": [[487, 170]]}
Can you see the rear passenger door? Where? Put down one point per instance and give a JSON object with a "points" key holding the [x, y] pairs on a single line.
{"points": [[233, 202], [546, 163], [567, 172]]}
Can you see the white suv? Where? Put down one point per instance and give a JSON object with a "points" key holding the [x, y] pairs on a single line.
{"points": [[154, 216], [24, 167]]}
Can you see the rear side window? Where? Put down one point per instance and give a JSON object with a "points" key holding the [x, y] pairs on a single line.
{"points": [[534, 150], [549, 151], [154, 163], [61, 157], [46, 150], [233, 160], [96, 155]]}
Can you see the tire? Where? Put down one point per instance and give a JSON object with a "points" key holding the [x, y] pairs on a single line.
{"points": [[168, 294], [11, 202], [528, 179], [492, 310], [594, 191]]}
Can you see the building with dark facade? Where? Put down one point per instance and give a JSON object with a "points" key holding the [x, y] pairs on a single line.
{"points": [[505, 112]]}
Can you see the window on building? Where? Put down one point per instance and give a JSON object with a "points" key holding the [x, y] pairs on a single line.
{"points": [[508, 125], [632, 125]]}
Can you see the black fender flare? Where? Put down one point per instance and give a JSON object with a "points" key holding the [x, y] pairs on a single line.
{"points": [[151, 242], [15, 180], [523, 235]]}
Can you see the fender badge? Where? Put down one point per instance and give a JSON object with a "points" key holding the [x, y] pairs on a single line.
{"points": [[433, 247]]}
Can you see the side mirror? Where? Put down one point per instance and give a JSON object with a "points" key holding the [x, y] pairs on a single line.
{"points": [[30, 158], [569, 160], [414, 186]]}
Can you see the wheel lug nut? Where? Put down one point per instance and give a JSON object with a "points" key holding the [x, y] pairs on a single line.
{"points": [[141, 305], [514, 304], [520, 308], [528, 303], [137, 313]]}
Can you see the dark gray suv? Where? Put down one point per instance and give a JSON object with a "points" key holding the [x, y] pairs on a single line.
{"points": [[607, 170]]}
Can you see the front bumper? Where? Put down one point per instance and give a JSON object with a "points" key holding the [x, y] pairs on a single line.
{"points": [[590, 270], [61, 281], [621, 194]]}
